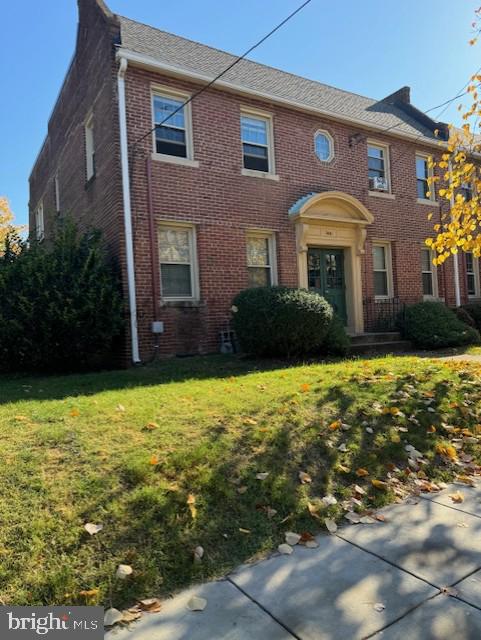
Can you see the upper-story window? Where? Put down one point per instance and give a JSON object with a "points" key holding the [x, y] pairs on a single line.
{"points": [[423, 173], [89, 148], [324, 146], [256, 136], [39, 224], [173, 132], [472, 275], [378, 167]]}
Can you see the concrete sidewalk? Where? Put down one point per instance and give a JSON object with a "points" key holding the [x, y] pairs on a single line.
{"points": [[416, 576]]}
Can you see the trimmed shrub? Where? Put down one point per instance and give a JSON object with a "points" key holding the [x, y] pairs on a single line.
{"points": [[474, 311], [336, 342], [465, 316], [61, 307], [431, 325], [280, 321]]}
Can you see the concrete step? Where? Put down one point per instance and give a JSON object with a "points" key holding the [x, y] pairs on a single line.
{"points": [[396, 346], [366, 338]]}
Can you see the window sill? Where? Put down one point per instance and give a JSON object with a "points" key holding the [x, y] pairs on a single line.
{"points": [[431, 203], [382, 194], [432, 298], [187, 303], [252, 173], [186, 162], [383, 298]]}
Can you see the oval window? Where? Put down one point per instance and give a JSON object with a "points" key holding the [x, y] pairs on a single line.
{"points": [[323, 146]]}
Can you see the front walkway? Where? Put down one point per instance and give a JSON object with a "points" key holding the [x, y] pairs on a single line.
{"points": [[416, 576]]}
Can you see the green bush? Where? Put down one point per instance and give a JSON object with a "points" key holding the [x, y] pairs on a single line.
{"points": [[474, 311], [60, 305], [279, 321], [431, 325], [336, 342], [463, 315]]}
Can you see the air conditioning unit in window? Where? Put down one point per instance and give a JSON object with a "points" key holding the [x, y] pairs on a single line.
{"points": [[378, 184]]}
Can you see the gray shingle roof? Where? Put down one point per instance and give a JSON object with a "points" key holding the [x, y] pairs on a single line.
{"points": [[198, 58]]}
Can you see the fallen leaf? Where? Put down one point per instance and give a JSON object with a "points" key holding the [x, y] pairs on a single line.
{"points": [[151, 426], [92, 528], [359, 490], [112, 616], [431, 429], [342, 468], [362, 472], [89, 593], [313, 509], [304, 478], [197, 604], [198, 553], [123, 570], [342, 447], [191, 505], [331, 526], [262, 476], [466, 480], [292, 538], [305, 387], [75, 413], [120, 407], [152, 605], [250, 421], [285, 549], [154, 460], [379, 484], [246, 531], [457, 497]]}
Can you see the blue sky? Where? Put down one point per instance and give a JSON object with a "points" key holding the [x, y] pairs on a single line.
{"points": [[371, 47]]}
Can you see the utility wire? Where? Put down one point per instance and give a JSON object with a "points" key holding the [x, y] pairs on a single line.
{"points": [[217, 77]]}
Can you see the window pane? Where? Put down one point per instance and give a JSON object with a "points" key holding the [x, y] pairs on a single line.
{"points": [[164, 106], [469, 262], [375, 152], [422, 187], [421, 168], [427, 284], [254, 130], [471, 284], [379, 256], [322, 146], [257, 252], [380, 283], [376, 164], [176, 280], [174, 245], [426, 264], [259, 276], [256, 158]]}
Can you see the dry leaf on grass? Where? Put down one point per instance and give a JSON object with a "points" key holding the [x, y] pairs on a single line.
{"points": [[151, 426], [379, 484], [154, 460], [75, 413], [197, 604], [305, 387], [285, 549], [335, 425], [304, 478], [123, 570], [250, 421], [92, 528], [120, 407], [361, 473], [191, 505], [246, 531], [112, 616], [359, 490]]}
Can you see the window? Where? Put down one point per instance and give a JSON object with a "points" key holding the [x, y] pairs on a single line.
{"points": [[56, 189], [472, 275], [257, 143], [378, 167], [89, 148], [428, 274], [324, 146], [423, 172], [177, 255], [467, 191], [39, 226], [174, 136], [382, 270], [261, 259]]}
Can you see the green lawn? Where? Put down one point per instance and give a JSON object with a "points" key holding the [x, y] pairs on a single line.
{"points": [[126, 449]]}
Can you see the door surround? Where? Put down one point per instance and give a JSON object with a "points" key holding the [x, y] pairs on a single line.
{"points": [[334, 219]]}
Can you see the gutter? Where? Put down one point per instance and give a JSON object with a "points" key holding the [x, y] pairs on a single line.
{"points": [[129, 244], [147, 62]]}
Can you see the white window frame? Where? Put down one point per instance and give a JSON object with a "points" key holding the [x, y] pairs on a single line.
{"points": [[323, 132], [194, 268], [387, 166], [270, 236], [39, 222], [162, 91], [271, 161], [475, 272], [432, 197], [388, 260], [57, 192], [89, 129], [434, 276]]}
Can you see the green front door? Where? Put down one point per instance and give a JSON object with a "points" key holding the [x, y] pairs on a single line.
{"points": [[325, 272]]}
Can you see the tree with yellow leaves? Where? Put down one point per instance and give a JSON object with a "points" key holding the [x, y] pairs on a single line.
{"points": [[8, 230], [458, 178]]}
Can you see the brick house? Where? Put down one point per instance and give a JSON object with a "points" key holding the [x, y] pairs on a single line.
{"points": [[265, 177]]}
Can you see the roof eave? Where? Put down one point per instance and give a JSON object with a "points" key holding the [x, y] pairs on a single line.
{"points": [[147, 62]]}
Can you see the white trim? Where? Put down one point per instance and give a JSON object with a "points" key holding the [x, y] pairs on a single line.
{"points": [[434, 276], [129, 242], [270, 236], [324, 132], [422, 155], [194, 265], [167, 92], [253, 173], [429, 203], [382, 194], [57, 193], [141, 60], [258, 114], [185, 162], [388, 260], [475, 272], [89, 128], [39, 222], [370, 142]]}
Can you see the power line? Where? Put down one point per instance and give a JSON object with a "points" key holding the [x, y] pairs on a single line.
{"points": [[228, 68]]}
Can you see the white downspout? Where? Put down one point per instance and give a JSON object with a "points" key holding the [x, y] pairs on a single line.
{"points": [[457, 288], [129, 244]]}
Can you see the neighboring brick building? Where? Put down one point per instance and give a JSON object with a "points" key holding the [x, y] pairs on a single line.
{"points": [[264, 177]]}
